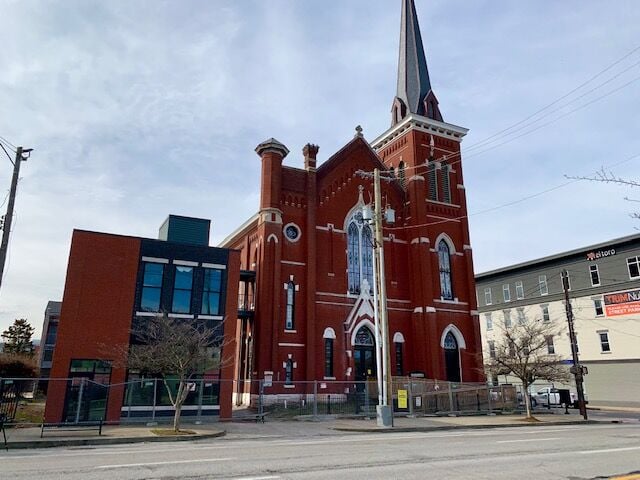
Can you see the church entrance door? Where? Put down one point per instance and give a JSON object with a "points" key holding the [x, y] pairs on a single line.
{"points": [[452, 358], [364, 356]]}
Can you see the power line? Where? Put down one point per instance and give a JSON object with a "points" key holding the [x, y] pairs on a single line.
{"points": [[508, 204], [485, 141], [489, 140], [5, 151], [7, 142]]}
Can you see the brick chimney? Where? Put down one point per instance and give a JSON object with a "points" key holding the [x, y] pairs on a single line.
{"points": [[310, 151]]}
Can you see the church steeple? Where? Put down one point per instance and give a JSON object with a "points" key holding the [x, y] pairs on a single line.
{"points": [[414, 93]]}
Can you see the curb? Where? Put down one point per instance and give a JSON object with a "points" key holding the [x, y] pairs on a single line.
{"points": [[109, 441], [463, 427]]}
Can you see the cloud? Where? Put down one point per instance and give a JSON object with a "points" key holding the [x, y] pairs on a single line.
{"points": [[137, 110]]}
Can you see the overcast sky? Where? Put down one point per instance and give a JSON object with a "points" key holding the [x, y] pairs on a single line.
{"points": [[138, 109]]}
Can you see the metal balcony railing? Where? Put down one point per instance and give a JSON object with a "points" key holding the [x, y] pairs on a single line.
{"points": [[246, 303]]}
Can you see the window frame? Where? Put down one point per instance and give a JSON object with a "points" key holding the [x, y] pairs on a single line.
{"points": [[207, 291], [508, 322], [551, 348], [488, 321], [359, 255], [543, 286], [492, 348], [546, 315], [399, 359], [147, 287], [176, 269], [506, 289], [604, 341], [598, 304], [288, 372], [633, 261], [444, 268], [594, 269], [328, 357], [519, 290], [487, 296], [290, 306]]}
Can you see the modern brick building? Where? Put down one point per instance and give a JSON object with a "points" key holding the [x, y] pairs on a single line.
{"points": [[313, 259], [114, 280]]}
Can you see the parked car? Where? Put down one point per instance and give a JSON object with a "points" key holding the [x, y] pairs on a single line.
{"points": [[552, 396]]}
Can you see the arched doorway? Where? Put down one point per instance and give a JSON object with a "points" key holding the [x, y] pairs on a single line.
{"points": [[364, 354], [452, 358]]}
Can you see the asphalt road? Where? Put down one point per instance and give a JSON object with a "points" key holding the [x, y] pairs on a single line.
{"points": [[548, 452]]}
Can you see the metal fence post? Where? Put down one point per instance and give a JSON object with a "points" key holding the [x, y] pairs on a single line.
{"points": [[80, 400], [315, 398], [489, 400], [410, 397], [155, 396], [200, 395], [366, 398], [450, 399]]}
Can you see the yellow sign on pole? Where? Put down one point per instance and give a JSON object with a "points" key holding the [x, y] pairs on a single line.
{"points": [[402, 399]]}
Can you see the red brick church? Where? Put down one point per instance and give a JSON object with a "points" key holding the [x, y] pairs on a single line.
{"points": [[312, 257]]}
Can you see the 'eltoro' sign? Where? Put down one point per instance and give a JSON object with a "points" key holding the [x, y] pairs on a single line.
{"points": [[622, 303], [600, 254]]}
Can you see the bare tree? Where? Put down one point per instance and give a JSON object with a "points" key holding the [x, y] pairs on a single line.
{"points": [[606, 176], [170, 347], [522, 350]]}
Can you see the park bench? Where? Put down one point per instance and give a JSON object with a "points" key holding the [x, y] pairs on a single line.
{"points": [[72, 426]]}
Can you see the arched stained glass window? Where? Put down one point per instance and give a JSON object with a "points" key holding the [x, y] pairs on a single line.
{"points": [[450, 342], [444, 260], [359, 254], [367, 255], [364, 337], [353, 258]]}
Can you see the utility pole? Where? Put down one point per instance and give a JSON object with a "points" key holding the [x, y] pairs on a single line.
{"points": [[577, 368], [6, 225], [385, 412]]}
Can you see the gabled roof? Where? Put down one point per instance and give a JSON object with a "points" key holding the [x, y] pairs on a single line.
{"points": [[341, 155]]}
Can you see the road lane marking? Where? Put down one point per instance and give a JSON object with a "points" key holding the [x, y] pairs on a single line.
{"points": [[528, 440], [258, 478], [173, 462], [608, 450]]}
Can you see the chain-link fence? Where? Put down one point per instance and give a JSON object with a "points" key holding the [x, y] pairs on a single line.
{"points": [[79, 399], [411, 396]]}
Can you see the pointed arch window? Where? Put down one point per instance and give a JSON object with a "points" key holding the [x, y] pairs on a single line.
{"points": [[364, 337], [291, 300], [444, 261], [359, 254], [450, 342]]}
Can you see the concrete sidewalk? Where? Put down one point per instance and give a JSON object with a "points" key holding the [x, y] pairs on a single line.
{"points": [[425, 424], [111, 435], [30, 437]]}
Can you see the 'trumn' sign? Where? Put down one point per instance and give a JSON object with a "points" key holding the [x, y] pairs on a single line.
{"points": [[622, 303]]}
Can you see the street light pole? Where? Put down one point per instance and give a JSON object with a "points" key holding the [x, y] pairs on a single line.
{"points": [[385, 411], [6, 225]]}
